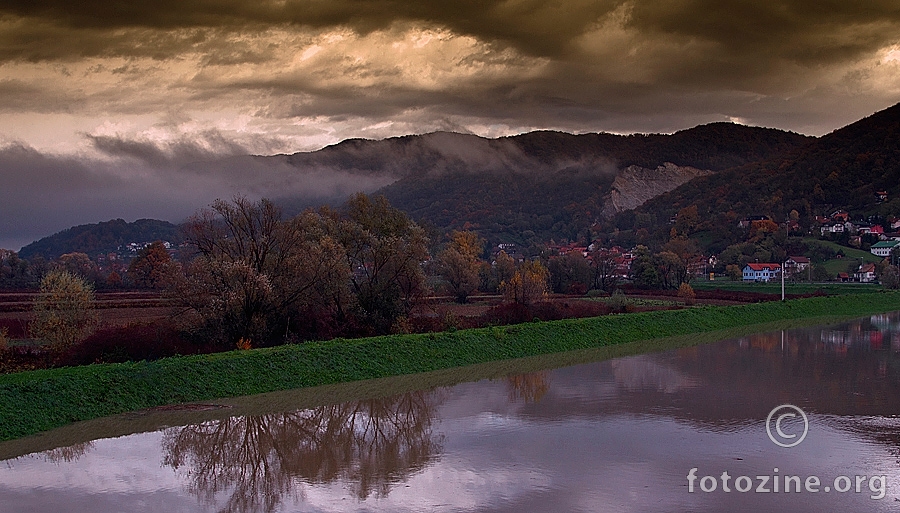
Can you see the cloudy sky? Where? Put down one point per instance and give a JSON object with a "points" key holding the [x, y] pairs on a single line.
{"points": [[103, 102]]}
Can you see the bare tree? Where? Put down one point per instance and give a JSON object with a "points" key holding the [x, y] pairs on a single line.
{"points": [[254, 270], [604, 267]]}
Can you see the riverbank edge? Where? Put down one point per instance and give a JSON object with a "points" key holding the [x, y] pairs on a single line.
{"points": [[37, 401], [155, 419]]}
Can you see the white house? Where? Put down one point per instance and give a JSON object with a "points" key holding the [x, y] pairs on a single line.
{"points": [[883, 248], [761, 272], [832, 228], [866, 273], [795, 264]]}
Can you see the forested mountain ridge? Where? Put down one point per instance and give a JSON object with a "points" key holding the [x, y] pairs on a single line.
{"points": [[549, 185], [714, 146], [842, 170]]}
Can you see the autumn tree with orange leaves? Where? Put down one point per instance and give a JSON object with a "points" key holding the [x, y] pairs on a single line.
{"points": [[153, 267]]}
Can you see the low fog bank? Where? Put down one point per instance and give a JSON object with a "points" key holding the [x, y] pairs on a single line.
{"points": [[41, 194]]}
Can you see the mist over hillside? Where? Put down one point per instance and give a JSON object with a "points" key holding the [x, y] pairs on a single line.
{"points": [[526, 189], [549, 185]]}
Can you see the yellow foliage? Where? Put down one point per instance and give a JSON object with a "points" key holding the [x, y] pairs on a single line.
{"points": [[686, 293], [528, 284], [64, 310], [467, 243]]}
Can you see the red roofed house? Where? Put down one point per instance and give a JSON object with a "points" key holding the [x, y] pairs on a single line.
{"points": [[841, 215], [866, 273], [761, 272]]}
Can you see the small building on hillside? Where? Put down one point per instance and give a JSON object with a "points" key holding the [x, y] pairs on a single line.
{"points": [[875, 229], [866, 273], [748, 221], [883, 248], [832, 228], [792, 226], [795, 265], [840, 216], [698, 266], [761, 272]]}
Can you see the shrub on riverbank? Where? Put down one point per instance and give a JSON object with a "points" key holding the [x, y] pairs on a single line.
{"points": [[134, 342], [39, 400]]}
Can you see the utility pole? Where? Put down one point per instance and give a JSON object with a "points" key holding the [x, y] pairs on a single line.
{"points": [[786, 217], [782, 279]]}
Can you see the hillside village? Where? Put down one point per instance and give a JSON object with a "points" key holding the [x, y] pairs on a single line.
{"points": [[372, 270], [838, 230]]}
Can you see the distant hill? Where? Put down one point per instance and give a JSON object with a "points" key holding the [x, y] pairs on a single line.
{"points": [[841, 170], [550, 185], [99, 238]]}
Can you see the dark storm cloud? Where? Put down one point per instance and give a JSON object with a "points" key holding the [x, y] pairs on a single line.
{"points": [[40, 40], [540, 27], [611, 61], [804, 30], [751, 41], [173, 92]]}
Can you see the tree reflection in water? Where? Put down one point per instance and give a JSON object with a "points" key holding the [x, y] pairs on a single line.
{"points": [[530, 387], [68, 454], [370, 444]]}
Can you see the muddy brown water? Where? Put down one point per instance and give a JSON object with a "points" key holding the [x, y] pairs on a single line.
{"points": [[615, 435]]}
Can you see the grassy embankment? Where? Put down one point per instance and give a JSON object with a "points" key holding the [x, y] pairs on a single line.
{"points": [[31, 402]]}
